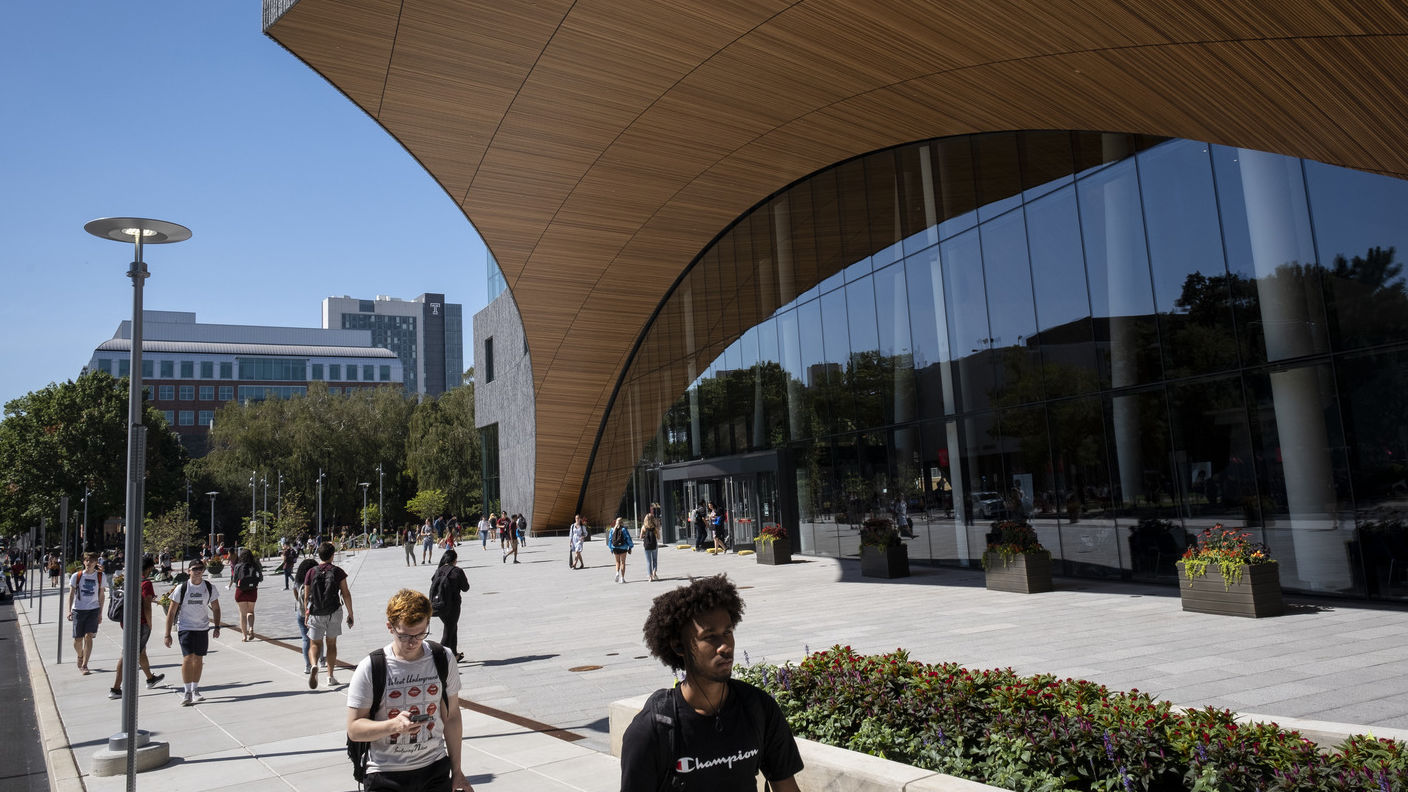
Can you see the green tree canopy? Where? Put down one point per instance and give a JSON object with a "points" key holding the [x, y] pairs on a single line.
{"points": [[443, 449], [428, 504]]}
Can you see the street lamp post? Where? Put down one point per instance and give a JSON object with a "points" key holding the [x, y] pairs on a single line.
{"points": [[318, 529], [364, 485], [279, 498], [264, 479], [83, 531], [137, 231], [380, 504], [253, 494], [212, 518]]}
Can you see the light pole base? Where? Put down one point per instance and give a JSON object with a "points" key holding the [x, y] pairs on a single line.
{"points": [[112, 761]]}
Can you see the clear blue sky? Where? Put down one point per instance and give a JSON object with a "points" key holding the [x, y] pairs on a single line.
{"points": [[185, 111]]}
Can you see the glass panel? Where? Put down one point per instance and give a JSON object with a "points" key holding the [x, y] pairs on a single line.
{"points": [[896, 356], [1080, 492], [835, 337], [818, 413], [1211, 453], [1304, 484], [929, 325], [1046, 162], [1011, 313], [953, 171], [1192, 291], [1270, 256], [1361, 237], [919, 208], [1373, 389], [826, 230], [855, 224], [1137, 426], [868, 378], [168, 369], [1026, 452], [983, 480], [1118, 274], [969, 338], [798, 411], [999, 176], [1065, 341], [883, 200]]}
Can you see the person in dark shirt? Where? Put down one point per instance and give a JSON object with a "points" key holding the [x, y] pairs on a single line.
{"points": [[710, 732]]}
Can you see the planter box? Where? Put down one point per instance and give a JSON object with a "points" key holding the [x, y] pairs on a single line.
{"points": [[887, 562], [778, 551], [1257, 594], [1026, 573]]}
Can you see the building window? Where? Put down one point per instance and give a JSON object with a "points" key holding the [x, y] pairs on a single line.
{"points": [[207, 369], [367, 373], [166, 392], [188, 418], [317, 371], [489, 359], [227, 392], [227, 370], [207, 393], [205, 417], [105, 365], [170, 416], [188, 392], [334, 371], [335, 390], [188, 369], [351, 372], [147, 369], [124, 367], [489, 458], [276, 369], [385, 373], [168, 369]]}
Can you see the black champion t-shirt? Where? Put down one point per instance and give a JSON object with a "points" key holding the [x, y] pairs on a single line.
{"points": [[716, 754]]}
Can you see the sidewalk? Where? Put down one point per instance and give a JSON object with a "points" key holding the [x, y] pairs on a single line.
{"points": [[548, 648]]}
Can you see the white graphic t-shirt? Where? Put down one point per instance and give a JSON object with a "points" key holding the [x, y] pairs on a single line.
{"points": [[412, 687], [87, 583], [195, 608]]}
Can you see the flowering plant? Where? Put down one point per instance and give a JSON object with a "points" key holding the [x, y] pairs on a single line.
{"points": [[771, 533], [879, 532], [1230, 550], [1010, 538]]}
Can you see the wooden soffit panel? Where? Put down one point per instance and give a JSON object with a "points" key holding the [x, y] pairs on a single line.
{"points": [[598, 146]]}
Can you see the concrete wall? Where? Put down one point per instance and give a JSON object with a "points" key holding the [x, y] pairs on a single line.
{"points": [[508, 402]]}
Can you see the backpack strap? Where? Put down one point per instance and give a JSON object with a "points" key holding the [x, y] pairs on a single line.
{"points": [[664, 717], [442, 667], [378, 658]]}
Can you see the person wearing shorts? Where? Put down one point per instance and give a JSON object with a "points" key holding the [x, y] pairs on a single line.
{"points": [[148, 595], [195, 604], [85, 609], [324, 619]]}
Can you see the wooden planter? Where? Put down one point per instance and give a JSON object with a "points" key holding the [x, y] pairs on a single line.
{"points": [[1257, 594], [778, 551], [884, 562], [1024, 573]]}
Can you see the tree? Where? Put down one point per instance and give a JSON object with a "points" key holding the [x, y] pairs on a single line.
{"points": [[68, 436], [443, 448], [428, 504], [173, 530]]}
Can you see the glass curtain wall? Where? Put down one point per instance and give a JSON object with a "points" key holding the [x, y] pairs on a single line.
{"points": [[1123, 340]]}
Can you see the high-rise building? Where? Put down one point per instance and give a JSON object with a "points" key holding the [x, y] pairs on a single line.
{"points": [[426, 333], [192, 369]]}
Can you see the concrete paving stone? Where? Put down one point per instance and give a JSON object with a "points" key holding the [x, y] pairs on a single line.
{"points": [[1264, 699]]}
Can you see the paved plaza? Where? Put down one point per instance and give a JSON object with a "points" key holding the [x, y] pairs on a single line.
{"points": [[548, 648]]}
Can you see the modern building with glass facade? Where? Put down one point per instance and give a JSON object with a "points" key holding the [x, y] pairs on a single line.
{"points": [[1123, 340], [821, 259], [192, 369], [426, 333]]}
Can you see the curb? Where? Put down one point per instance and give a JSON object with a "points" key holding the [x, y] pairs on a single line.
{"points": [[58, 757]]}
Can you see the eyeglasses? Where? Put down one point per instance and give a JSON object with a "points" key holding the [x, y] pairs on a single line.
{"points": [[410, 637]]}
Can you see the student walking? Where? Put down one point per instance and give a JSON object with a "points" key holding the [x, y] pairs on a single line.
{"points": [[148, 594], [408, 543], [699, 516], [427, 541], [195, 607], [576, 537], [619, 542], [650, 542], [512, 539], [486, 524], [711, 732], [300, 605], [404, 702], [290, 556], [245, 579], [446, 587], [326, 593], [85, 609]]}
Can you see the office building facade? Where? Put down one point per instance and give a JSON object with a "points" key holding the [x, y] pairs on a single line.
{"points": [[426, 333], [192, 369]]}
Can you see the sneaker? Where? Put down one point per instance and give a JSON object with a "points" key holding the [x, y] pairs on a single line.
{"points": [[153, 681], [115, 693], [198, 698], [186, 700], [312, 679], [332, 681], [307, 669]]}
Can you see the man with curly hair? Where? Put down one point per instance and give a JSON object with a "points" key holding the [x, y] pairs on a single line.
{"points": [[415, 731], [710, 732]]}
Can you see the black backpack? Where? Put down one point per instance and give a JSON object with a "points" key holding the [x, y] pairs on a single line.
{"points": [[115, 604], [322, 595], [357, 751], [250, 575], [437, 590]]}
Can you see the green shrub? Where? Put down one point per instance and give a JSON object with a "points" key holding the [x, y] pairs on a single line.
{"points": [[1044, 734]]}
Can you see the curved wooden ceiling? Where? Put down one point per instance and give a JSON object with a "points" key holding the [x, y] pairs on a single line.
{"points": [[599, 145]]}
